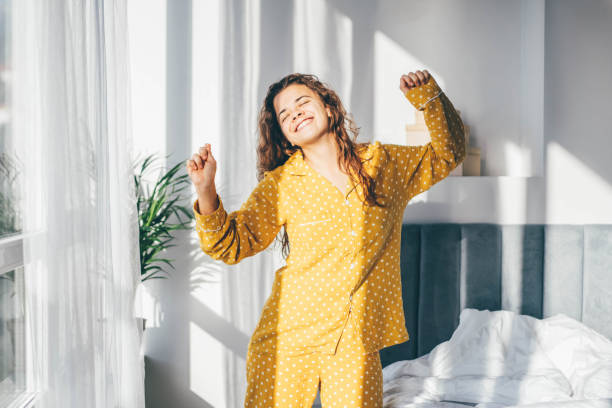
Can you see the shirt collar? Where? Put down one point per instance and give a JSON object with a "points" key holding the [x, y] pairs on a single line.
{"points": [[297, 166]]}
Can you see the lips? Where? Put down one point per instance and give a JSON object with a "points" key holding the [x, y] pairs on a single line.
{"points": [[298, 125]]}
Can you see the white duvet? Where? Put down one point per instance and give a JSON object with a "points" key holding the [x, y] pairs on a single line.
{"points": [[503, 359]]}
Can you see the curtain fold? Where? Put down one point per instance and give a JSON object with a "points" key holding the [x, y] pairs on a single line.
{"points": [[81, 253]]}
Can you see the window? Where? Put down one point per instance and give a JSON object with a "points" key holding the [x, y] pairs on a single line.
{"points": [[12, 336], [13, 354]]}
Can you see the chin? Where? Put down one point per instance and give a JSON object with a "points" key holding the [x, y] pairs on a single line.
{"points": [[309, 139]]}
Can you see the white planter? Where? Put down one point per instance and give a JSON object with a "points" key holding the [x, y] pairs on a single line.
{"points": [[146, 306]]}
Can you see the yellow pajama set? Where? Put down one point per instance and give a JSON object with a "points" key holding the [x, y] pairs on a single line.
{"points": [[338, 299]]}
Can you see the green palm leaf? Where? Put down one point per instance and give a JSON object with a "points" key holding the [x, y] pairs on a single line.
{"points": [[155, 208]]}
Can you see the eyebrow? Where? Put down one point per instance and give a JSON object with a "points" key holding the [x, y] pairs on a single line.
{"points": [[296, 99]]}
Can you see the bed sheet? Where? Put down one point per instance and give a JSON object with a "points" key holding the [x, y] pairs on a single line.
{"points": [[503, 359]]}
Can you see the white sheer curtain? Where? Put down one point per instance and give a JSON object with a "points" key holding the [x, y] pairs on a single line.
{"points": [[81, 257]]}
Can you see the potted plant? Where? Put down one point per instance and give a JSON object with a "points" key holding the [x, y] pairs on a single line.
{"points": [[156, 203]]}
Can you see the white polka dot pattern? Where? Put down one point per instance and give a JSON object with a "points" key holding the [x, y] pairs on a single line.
{"points": [[345, 255], [239, 234]]}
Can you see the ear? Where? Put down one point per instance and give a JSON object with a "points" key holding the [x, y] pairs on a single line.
{"points": [[328, 112]]}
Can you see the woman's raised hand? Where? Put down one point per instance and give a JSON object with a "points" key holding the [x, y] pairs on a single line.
{"points": [[201, 169], [413, 79]]}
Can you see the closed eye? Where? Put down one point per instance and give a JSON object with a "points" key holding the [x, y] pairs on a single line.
{"points": [[285, 117]]}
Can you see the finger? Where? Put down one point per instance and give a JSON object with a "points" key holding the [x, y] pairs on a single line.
{"points": [[194, 164], [421, 77], [427, 74], [210, 155], [198, 161], [190, 166], [407, 80], [414, 78], [203, 152]]}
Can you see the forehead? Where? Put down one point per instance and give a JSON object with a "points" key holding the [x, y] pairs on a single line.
{"points": [[287, 96]]}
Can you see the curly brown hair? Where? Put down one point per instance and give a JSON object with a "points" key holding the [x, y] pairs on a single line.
{"points": [[274, 149]]}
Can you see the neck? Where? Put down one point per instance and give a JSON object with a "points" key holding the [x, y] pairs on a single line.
{"points": [[323, 154]]}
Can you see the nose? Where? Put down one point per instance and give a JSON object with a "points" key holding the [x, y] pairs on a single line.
{"points": [[296, 114]]}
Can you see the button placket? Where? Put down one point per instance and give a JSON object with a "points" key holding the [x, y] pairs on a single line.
{"points": [[347, 203], [348, 316]]}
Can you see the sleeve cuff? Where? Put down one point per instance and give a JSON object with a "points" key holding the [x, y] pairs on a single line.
{"points": [[210, 222], [421, 95]]}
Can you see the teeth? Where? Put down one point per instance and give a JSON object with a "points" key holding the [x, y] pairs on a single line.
{"points": [[304, 123]]}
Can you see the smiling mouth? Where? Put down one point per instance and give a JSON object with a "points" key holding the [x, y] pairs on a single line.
{"points": [[303, 124]]}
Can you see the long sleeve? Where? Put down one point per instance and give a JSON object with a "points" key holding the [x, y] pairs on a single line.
{"points": [[245, 232], [420, 167]]}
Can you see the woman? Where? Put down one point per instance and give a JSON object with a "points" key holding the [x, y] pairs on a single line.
{"points": [[338, 299]]}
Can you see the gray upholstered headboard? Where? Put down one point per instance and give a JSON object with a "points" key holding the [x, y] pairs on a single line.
{"points": [[538, 270]]}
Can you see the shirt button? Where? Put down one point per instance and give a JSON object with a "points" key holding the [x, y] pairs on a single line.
{"points": [[353, 233], [346, 201]]}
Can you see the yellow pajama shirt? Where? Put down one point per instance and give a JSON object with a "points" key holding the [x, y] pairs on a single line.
{"points": [[344, 261]]}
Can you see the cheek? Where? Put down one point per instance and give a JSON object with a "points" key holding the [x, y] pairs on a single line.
{"points": [[288, 136], [284, 130], [321, 119]]}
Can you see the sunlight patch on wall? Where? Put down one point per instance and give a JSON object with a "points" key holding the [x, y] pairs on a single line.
{"points": [[517, 159], [147, 47], [148, 306], [206, 76], [206, 352], [392, 111], [323, 45], [512, 200], [575, 194]]}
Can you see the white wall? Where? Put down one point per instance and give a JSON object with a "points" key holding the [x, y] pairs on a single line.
{"points": [[488, 58], [578, 123], [531, 79]]}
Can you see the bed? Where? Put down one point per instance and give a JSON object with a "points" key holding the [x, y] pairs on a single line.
{"points": [[503, 316]]}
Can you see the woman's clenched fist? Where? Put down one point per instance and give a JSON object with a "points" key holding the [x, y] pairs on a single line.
{"points": [[202, 168], [413, 79]]}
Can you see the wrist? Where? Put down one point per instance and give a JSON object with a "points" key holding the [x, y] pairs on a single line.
{"points": [[206, 191]]}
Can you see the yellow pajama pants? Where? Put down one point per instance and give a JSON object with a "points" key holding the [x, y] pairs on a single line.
{"points": [[349, 379]]}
